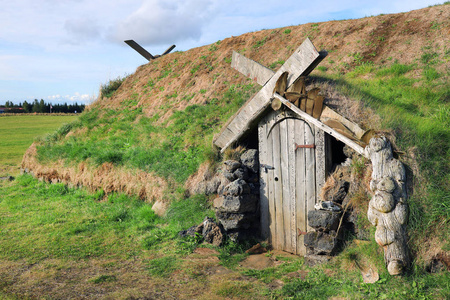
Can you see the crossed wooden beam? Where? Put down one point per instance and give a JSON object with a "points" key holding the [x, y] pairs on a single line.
{"points": [[302, 62], [144, 52]]}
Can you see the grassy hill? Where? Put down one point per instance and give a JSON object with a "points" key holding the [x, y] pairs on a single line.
{"points": [[151, 135]]}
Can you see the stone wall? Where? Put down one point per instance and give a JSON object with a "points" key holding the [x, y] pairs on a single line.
{"points": [[237, 204]]}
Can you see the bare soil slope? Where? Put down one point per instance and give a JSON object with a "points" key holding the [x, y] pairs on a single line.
{"points": [[383, 39]]}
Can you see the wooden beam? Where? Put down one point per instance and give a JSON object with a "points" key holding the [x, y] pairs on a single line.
{"points": [[251, 68], [329, 114], [140, 50], [168, 50], [298, 64], [322, 126]]}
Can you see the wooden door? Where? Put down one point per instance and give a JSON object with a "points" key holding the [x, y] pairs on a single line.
{"points": [[288, 179]]}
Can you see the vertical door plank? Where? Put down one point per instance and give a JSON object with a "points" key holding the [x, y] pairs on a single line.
{"points": [[291, 124], [270, 181], [285, 183], [300, 186], [310, 171], [278, 187], [263, 180]]}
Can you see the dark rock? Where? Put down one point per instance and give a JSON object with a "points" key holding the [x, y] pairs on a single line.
{"points": [[240, 235], [218, 202], [212, 233], [241, 173], [228, 175], [231, 165], [312, 260], [358, 230], [256, 249], [237, 188], [223, 183], [9, 178], [192, 231], [320, 243], [339, 196], [253, 178], [254, 188], [212, 185], [349, 152], [239, 204], [439, 263], [236, 220], [323, 220], [250, 159], [435, 266]]}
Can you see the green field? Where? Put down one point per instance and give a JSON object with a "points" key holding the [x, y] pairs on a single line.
{"points": [[19, 131]]}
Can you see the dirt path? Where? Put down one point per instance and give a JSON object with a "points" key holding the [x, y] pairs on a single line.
{"points": [[199, 276]]}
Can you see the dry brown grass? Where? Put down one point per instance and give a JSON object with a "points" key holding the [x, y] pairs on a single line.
{"points": [[107, 177]]}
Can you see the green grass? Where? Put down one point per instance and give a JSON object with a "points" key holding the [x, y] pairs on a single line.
{"points": [[51, 221], [173, 149], [42, 224], [108, 89], [417, 112], [18, 132]]}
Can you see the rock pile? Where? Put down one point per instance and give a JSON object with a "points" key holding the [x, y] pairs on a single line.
{"points": [[237, 205], [210, 231], [321, 243]]}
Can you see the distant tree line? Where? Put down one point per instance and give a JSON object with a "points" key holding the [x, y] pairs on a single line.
{"points": [[42, 107]]}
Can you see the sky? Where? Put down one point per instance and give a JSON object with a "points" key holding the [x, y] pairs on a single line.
{"points": [[63, 50]]}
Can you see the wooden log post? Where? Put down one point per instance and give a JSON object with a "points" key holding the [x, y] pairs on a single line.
{"points": [[388, 209]]}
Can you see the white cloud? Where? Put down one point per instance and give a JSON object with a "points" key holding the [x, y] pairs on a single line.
{"points": [[43, 43], [81, 30], [161, 22], [76, 97]]}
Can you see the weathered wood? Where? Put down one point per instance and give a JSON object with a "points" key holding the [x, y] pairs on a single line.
{"points": [[270, 179], [300, 179], [263, 189], [388, 209], [309, 106], [168, 50], [297, 64], [320, 158], [291, 125], [284, 156], [281, 84], [339, 127], [330, 114], [274, 136], [310, 182], [310, 101], [251, 68], [322, 126], [139, 49], [318, 106], [287, 209], [276, 104]]}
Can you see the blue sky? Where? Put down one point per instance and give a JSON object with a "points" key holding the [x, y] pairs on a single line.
{"points": [[63, 50]]}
